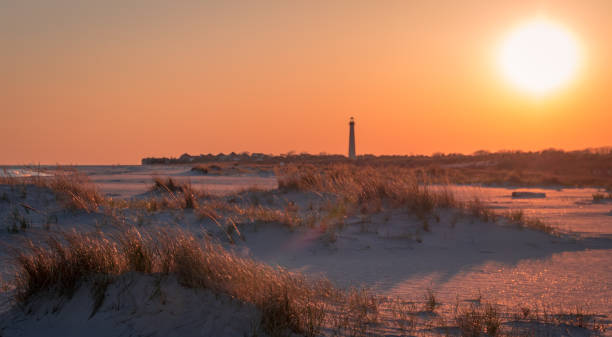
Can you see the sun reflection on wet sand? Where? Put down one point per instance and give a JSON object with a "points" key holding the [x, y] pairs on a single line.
{"points": [[564, 281]]}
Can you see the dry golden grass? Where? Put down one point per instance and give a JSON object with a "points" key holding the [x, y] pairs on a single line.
{"points": [[477, 319], [219, 209], [550, 167], [71, 187], [269, 215], [368, 188], [365, 185], [358, 188], [519, 218], [182, 194], [577, 317], [76, 192], [288, 301], [494, 176]]}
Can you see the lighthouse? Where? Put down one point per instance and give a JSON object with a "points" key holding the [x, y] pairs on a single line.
{"points": [[351, 152]]}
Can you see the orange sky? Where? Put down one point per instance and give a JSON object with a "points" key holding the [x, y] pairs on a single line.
{"points": [[105, 82]]}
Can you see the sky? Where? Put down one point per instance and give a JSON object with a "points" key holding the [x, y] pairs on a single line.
{"points": [[110, 82]]}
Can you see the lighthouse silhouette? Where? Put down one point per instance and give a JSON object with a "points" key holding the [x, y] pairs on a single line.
{"points": [[351, 152]]}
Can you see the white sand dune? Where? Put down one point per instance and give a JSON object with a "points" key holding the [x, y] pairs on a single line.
{"points": [[504, 264], [459, 258], [134, 305]]}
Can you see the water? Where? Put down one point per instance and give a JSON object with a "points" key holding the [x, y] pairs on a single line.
{"points": [[563, 282], [131, 180], [567, 209]]}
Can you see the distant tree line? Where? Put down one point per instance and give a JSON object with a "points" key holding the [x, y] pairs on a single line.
{"points": [[243, 157], [502, 159]]}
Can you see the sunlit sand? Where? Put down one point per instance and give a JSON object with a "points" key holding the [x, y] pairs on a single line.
{"points": [[463, 260]]}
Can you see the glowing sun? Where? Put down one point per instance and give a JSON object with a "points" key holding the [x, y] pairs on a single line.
{"points": [[539, 56]]}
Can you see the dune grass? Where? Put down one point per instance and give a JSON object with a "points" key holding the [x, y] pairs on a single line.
{"points": [[289, 302], [367, 189], [519, 218], [551, 167], [71, 187], [364, 185], [357, 189], [76, 192], [183, 195], [476, 319]]}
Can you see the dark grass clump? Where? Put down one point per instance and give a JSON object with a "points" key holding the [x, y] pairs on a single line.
{"points": [[602, 197], [206, 169], [181, 195], [200, 169], [167, 185], [477, 320]]}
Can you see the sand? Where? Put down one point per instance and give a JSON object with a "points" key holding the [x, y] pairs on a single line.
{"points": [[461, 259]]}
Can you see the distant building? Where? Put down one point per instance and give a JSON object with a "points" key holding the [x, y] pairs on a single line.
{"points": [[185, 157], [351, 151]]}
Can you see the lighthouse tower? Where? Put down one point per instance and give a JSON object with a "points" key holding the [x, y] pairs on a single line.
{"points": [[351, 152]]}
